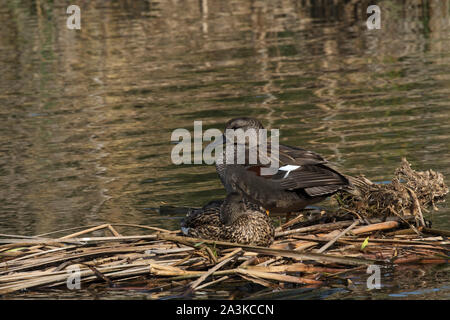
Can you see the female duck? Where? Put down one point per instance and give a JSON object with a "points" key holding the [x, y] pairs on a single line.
{"points": [[235, 220]]}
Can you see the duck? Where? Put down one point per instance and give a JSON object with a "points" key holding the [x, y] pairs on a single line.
{"points": [[303, 177], [234, 219]]}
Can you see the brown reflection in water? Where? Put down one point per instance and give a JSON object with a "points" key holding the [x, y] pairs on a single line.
{"points": [[88, 114]]}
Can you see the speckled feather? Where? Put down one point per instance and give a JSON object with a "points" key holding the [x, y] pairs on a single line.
{"points": [[252, 228]]}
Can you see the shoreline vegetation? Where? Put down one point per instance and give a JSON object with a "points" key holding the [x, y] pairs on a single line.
{"points": [[379, 224]]}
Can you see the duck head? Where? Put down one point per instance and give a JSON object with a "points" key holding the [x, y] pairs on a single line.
{"points": [[244, 123], [242, 128], [233, 207]]}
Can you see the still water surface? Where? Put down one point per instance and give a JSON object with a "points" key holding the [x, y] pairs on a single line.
{"points": [[87, 114]]}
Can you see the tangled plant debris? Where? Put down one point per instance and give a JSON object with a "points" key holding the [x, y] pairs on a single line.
{"points": [[376, 228], [409, 194]]}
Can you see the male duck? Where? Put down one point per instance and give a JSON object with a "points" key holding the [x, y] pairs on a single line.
{"points": [[303, 178]]}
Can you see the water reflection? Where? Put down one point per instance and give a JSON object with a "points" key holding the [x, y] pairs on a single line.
{"points": [[87, 115]]}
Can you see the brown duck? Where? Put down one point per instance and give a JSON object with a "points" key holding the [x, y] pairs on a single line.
{"points": [[234, 220]]}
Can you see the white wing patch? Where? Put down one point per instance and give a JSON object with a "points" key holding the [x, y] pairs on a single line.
{"points": [[288, 168]]}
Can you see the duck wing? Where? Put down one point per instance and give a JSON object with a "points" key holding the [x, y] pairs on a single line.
{"points": [[201, 217], [298, 169], [315, 179], [297, 156]]}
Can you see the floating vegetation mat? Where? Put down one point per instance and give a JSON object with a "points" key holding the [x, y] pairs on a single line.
{"points": [[310, 250], [409, 193]]}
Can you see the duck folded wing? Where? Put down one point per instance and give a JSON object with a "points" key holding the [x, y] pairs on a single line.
{"points": [[289, 156], [314, 179], [298, 156], [259, 155], [309, 176]]}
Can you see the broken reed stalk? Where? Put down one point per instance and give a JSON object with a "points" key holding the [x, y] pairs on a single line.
{"points": [[332, 241], [213, 282], [113, 225], [295, 267], [444, 233], [291, 222], [165, 257], [11, 243], [376, 227], [278, 277], [262, 282], [15, 277], [390, 241], [76, 234], [315, 228], [226, 259], [276, 252]]}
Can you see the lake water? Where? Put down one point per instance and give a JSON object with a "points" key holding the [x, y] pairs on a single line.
{"points": [[87, 115]]}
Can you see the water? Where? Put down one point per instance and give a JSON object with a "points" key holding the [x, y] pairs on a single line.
{"points": [[87, 114]]}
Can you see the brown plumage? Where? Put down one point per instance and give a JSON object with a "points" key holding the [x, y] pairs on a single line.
{"points": [[311, 181], [235, 220]]}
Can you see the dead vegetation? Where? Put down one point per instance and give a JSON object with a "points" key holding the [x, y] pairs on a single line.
{"points": [[383, 225], [409, 193]]}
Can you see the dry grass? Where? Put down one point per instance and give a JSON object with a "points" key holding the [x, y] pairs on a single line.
{"points": [[409, 194], [304, 253], [162, 259]]}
